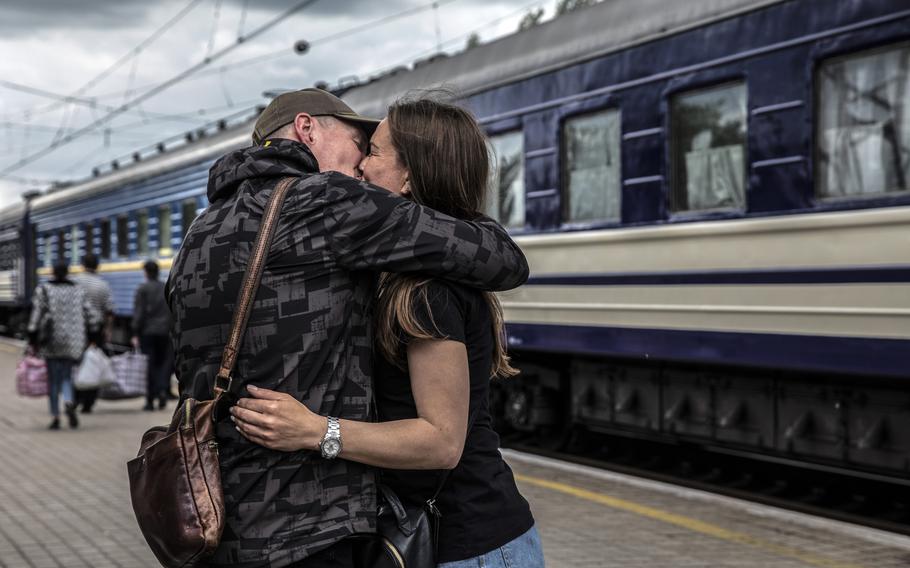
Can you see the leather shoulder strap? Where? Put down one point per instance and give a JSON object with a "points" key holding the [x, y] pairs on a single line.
{"points": [[250, 285]]}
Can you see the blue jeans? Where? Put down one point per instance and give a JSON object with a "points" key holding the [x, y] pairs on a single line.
{"points": [[60, 379], [523, 552]]}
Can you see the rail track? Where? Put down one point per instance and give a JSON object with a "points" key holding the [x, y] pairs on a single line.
{"points": [[866, 499]]}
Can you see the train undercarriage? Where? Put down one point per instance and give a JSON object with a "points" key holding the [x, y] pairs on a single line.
{"points": [[859, 424]]}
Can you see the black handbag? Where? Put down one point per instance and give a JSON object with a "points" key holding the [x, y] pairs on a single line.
{"points": [[407, 535]]}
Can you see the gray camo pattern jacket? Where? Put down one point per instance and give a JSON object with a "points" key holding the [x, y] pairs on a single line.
{"points": [[309, 331]]}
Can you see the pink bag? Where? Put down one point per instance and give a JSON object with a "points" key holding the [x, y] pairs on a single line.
{"points": [[31, 376]]}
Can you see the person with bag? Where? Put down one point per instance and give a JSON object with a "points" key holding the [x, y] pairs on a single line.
{"points": [[309, 326], [151, 330], [438, 345], [58, 329], [98, 293]]}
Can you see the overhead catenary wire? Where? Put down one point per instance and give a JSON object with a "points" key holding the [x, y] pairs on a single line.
{"points": [[125, 57], [371, 25], [154, 91], [83, 101], [348, 32], [459, 38]]}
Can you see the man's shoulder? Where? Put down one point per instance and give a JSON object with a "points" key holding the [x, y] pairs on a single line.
{"points": [[92, 280]]}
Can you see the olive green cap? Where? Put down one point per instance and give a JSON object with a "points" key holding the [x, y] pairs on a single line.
{"points": [[315, 102]]}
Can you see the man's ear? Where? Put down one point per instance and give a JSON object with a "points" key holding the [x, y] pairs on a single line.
{"points": [[304, 128]]}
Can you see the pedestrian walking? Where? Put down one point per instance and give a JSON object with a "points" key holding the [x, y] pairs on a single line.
{"points": [[151, 335], [438, 344], [309, 327], [58, 329], [98, 293]]}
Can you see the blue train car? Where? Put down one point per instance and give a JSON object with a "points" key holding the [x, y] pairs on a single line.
{"points": [[128, 216], [15, 241], [713, 195]]}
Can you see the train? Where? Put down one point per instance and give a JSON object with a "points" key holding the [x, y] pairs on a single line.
{"points": [[713, 196]]}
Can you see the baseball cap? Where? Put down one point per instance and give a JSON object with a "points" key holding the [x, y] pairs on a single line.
{"points": [[316, 102]]}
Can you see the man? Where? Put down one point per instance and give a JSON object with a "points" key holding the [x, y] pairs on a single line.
{"points": [[151, 334], [309, 331], [98, 294]]}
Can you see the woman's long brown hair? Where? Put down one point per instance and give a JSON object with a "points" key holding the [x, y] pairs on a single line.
{"points": [[445, 153]]}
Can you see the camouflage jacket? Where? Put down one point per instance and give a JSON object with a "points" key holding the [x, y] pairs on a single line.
{"points": [[309, 329]]}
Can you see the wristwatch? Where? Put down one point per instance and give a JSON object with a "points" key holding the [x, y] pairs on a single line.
{"points": [[331, 442]]}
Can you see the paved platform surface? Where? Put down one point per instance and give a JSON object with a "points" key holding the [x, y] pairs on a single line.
{"points": [[64, 503]]}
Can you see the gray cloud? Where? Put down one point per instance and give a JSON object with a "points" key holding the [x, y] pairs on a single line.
{"points": [[25, 17]]}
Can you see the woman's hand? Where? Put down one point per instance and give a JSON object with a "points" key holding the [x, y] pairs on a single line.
{"points": [[278, 421]]}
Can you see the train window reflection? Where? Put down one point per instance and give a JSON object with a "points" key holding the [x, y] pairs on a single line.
{"points": [[164, 231], [506, 202], [142, 233], [74, 244], [105, 229], [592, 173], [708, 130], [123, 237], [864, 123]]}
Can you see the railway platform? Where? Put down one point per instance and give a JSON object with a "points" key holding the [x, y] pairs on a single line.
{"points": [[64, 503], [591, 518]]}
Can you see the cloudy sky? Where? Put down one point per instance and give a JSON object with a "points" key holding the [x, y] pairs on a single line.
{"points": [[55, 48]]}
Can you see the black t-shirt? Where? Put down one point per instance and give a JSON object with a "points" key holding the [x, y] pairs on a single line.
{"points": [[480, 504]]}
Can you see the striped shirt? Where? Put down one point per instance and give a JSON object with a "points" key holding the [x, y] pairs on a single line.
{"points": [[97, 292]]}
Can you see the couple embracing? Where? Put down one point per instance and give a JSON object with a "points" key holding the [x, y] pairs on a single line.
{"points": [[372, 339]]}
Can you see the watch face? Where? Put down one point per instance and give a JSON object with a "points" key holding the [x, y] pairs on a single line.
{"points": [[331, 447]]}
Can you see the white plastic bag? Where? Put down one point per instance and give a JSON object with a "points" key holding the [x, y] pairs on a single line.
{"points": [[95, 370]]}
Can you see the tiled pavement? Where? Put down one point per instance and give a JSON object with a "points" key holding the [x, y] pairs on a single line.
{"points": [[596, 519], [64, 503], [64, 496]]}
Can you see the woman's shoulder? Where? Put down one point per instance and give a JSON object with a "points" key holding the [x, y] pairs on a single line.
{"points": [[439, 290]]}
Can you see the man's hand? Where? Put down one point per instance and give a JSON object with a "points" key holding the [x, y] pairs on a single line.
{"points": [[135, 342], [278, 421]]}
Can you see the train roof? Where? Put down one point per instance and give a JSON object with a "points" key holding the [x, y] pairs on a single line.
{"points": [[12, 214], [207, 147], [610, 25]]}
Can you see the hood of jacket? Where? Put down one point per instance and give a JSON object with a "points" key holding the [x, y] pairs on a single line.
{"points": [[274, 158]]}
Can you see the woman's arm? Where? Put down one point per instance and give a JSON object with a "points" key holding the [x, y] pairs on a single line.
{"points": [[434, 440]]}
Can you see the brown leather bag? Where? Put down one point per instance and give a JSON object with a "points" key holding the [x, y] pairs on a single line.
{"points": [[175, 481]]}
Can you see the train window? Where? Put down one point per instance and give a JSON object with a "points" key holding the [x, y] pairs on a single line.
{"points": [[506, 201], [708, 142], [105, 229], [863, 136], [75, 255], [188, 214], [164, 231], [89, 238], [591, 146], [142, 233], [123, 237]]}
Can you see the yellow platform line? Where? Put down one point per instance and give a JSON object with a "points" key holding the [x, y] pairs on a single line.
{"points": [[685, 522]]}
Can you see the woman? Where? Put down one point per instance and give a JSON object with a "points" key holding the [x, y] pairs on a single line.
{"points": [[438, 345], [62, 313]]}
